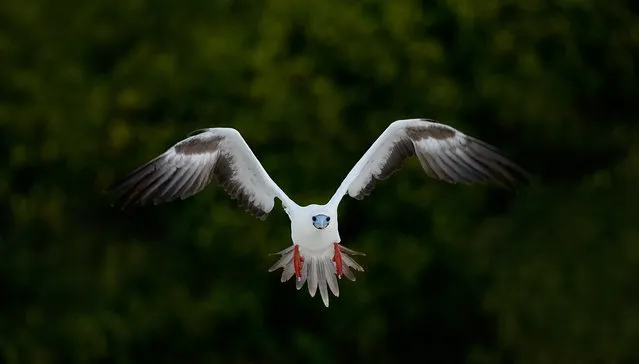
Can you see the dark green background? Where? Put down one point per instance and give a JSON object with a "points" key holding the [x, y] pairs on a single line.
{"points": [[90, 90]]}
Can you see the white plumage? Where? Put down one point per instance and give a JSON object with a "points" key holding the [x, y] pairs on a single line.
{"points": [[316, 256]]}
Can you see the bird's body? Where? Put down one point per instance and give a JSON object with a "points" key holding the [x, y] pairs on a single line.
{"points": [[316, 256]]}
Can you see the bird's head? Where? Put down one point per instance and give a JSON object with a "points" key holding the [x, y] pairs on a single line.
{"points": [[313, 222], [320, 221]]}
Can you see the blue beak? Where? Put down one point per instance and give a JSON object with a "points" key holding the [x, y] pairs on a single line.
{"points": [[321, 221]]}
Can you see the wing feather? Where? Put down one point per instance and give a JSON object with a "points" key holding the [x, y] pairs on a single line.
{"points": [[444, 153], [190, 165]]}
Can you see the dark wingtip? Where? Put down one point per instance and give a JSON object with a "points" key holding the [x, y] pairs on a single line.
{"points": [[520, 179], [124, 198], [510, 175], [525, 180]]}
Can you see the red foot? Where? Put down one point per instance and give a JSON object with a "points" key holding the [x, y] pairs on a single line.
{"points": [[297, 261], [337, 258]]}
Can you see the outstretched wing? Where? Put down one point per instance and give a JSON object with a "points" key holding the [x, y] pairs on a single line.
{"points": [[191, 164], [445, 154]]}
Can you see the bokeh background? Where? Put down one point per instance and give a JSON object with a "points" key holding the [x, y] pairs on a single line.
{"points": [[90, 90]]}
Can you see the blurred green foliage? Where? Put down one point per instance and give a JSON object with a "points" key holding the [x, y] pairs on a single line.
{"points": [[91, 89]]}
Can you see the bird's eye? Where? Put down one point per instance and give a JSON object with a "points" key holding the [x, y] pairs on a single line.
{"points": [[328, 219], [314, 218]]}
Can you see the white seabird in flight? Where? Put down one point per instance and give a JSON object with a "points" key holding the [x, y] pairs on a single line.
{"points": [[316, 256]]}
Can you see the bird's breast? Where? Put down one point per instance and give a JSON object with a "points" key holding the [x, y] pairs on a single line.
{"points": [[314, 239]]}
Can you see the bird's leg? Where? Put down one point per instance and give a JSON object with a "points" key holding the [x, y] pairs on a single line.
{"points": [[298, 260], [337, 258]]}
